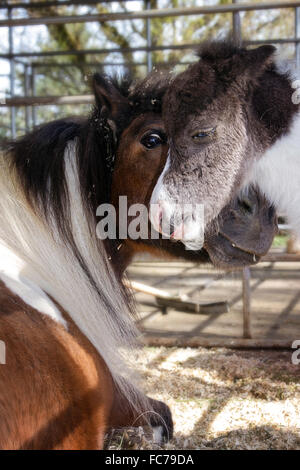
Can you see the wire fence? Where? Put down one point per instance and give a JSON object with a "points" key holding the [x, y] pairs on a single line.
{"points": [[31, 61]]}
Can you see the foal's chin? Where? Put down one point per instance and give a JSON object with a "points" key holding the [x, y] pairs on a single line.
{"points": [[224, 255]]}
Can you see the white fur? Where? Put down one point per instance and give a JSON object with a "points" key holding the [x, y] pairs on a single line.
{"points": [[277, 174], [11, 268], [160, 195], [191, 232], [38, 262], [157, 434]]}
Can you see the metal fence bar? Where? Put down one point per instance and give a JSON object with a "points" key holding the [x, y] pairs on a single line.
{"points": [[33, 92], [236, 25], [235, 8], [149, 38], [37, 5], [258, 42], [26, 92], [159, 13], [40, 65], [136, 49], [100, 51], [297, 36], [46, 100], [12, 77]]}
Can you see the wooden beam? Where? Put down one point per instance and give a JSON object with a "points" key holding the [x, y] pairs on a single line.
{"points": [[182, 303], [231, 343], [277, 257]]}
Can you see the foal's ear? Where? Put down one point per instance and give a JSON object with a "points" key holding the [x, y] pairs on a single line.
{"points": [[108, 98], [237, 64], [252, 63], [247, 66], [256, 60]]}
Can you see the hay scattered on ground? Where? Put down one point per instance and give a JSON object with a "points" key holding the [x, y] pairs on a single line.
{"points": [[222, 399]]}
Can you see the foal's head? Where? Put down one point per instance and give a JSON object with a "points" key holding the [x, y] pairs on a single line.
{"points": [[219, 114], [245, 228]]}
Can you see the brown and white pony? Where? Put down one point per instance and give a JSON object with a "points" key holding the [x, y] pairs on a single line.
{"points": [[232, 119], [65, 317], [64, 314]]}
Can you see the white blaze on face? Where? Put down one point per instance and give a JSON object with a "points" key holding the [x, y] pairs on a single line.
{"points": [[187, 219], [160, 199]]}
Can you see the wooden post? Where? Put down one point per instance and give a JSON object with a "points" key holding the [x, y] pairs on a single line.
{"points": [[246, 303]]}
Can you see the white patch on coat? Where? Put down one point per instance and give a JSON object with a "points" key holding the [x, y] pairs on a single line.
{"points": [[11, 274], [277, 174]]}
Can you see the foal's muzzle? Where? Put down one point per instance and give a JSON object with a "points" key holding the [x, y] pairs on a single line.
{"points": [[179, 222]]}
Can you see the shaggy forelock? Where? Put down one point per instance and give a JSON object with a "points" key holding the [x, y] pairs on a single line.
{"points": [[147, 95], [210, 51], [190, 93]]}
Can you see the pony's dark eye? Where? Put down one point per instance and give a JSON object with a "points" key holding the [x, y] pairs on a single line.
{"points": [[202, 133], [150, 141]]}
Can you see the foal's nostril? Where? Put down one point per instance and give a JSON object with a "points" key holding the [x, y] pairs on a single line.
{"points": [[246, 206], [172, 229], [271, 212], [168, 226]]}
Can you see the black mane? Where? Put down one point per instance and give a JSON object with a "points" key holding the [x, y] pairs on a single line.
{"points": [[38, 158], [147, 95]]}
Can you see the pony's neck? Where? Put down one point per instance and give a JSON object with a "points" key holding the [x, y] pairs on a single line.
{"points": [[39, 261], [277, 174]]}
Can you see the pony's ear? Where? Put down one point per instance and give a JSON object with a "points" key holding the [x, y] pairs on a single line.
{"points": [[252, 63], [235, 63], [109, 100], [257, 60]]}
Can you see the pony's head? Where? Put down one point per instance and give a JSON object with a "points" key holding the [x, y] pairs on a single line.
{"points": [[217, 119], [239, 236]]}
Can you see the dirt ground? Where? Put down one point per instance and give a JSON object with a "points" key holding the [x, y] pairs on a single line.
{"points": [[221, 398]]}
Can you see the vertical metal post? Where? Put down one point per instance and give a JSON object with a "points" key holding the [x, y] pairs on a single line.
{"points": [[11, 75], [236, 26], [297, 36], [246, 303], [33, 93], [26, 93], [149, 39]]}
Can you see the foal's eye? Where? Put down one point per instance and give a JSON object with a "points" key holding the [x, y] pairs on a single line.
{"points": [[150, 141], [202, 133]]}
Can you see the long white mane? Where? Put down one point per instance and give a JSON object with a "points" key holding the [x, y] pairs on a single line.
{"points": [[35, 261]]}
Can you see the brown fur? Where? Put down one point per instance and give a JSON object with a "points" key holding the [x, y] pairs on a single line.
{"points": [[55, 390]]}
